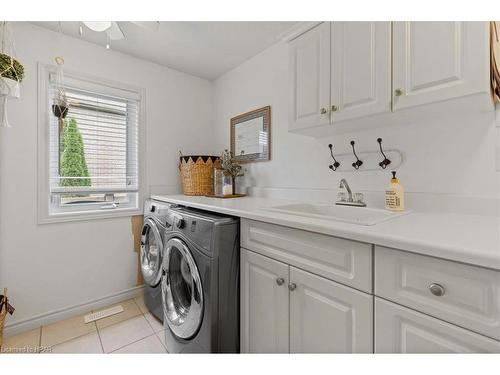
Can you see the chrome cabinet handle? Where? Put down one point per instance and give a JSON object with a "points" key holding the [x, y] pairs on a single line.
{"points": [[292, 287], [323, 111], [335, 108], [398, 92], [437, 290], [280, 281]]}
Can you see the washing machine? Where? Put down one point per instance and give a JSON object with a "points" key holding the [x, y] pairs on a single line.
{"points": [[200, 284], [156, 221]]}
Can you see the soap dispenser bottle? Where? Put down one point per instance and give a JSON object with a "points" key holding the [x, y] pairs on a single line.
{"points": [[395, 195]]}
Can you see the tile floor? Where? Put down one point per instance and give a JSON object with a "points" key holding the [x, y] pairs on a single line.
{"points": [[134, 330]]}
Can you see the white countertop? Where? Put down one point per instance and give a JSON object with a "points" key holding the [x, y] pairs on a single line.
{"points": [[469, 239]]}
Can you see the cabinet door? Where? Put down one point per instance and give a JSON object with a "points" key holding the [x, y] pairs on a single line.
{"points": [[264, 304], [361, 69], [436, 61], [310, 78], [401, 330], [326, 317]]}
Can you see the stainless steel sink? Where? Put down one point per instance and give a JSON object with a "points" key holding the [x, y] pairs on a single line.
{"points": [[354, 215]]}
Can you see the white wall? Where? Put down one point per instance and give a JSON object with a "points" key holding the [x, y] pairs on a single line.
{"points": [[51, 267], [452, 157], [54, 266]]}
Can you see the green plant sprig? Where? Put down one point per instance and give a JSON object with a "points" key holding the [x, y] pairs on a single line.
{"points": [[230, 166], [11, 68]]}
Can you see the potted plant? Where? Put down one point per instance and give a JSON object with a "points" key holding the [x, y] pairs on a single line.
{"points": [[231, 167], [11, 74], [60, 105]]}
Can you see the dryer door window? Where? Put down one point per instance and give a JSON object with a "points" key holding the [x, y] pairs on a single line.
{"points": [[151, 251], [181, 290]]}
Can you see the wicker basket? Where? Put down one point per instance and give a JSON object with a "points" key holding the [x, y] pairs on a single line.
{"points": [[197, 174]]}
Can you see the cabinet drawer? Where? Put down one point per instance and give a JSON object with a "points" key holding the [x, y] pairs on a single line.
{"points": [[470, 296], [344, 261], [401, 330]]}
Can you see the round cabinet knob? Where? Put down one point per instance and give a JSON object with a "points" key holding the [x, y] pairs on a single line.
{"points": [[280, 281], [292, 287], [335, 108], [398, 92], [436, 289], [179, 223], [323, 111]]}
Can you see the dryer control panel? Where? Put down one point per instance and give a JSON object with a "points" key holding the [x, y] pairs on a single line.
{"points": [[199, 226]]}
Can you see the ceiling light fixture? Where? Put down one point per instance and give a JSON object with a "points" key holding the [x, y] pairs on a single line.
{"points": [[113, 30], [98, 26]]}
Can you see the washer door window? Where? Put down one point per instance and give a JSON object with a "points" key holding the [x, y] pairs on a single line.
{"points": [[181, 290], [151, 248]]}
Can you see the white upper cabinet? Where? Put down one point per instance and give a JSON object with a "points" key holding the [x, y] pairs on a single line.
{"points": [[310, 78], [361, 69], [349, 76], [340, 71], [437, 61], [264, 304], [326, 317]]}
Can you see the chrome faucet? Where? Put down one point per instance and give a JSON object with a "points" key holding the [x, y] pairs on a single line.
{"points": [[356, 201], [344, 185]]}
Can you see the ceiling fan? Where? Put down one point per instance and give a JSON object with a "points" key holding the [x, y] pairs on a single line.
{"points": [[113, 29]]}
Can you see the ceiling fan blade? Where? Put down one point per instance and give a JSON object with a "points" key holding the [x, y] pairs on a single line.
{"points": [[115, 32], [150, 25]]}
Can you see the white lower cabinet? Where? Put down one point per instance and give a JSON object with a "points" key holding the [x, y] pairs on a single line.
{"points": [[402, 330], [264, 304], [285, 309], [326, 317], [461, 294], [304, 292]]}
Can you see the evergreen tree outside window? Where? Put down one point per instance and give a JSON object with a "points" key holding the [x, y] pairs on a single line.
{"points": [[73, 162]]}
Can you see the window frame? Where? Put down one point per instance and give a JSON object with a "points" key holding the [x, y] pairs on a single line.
{"points": [[45, 214]]}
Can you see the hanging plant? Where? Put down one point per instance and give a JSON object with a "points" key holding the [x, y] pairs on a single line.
{"points": [[60, 104], [11, 73], [11, 68]]}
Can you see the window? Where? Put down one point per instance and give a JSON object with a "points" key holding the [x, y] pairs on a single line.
{"points": [[93, 153]]}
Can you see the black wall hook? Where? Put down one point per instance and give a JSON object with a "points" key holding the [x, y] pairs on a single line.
{"points": [[384, 163], [336, 164], [358, 163]]}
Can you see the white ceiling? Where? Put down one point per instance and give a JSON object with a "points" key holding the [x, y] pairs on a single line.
{"points": [[204, 49]]}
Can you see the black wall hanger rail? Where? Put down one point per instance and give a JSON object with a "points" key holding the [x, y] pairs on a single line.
{"points": [[365, 160]]}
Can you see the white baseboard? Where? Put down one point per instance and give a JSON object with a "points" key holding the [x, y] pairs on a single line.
{"points": [[70, 311]]}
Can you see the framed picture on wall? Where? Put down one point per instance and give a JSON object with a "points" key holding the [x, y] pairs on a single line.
{"points": [[251, 135]]}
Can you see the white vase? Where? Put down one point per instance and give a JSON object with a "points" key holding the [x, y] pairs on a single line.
{"points": [[9, 88]]}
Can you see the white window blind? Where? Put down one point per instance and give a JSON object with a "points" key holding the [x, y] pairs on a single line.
{"points": [[108, 126]]}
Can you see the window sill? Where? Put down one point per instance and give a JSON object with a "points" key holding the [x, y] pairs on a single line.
{"points": [[89, 215]]}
